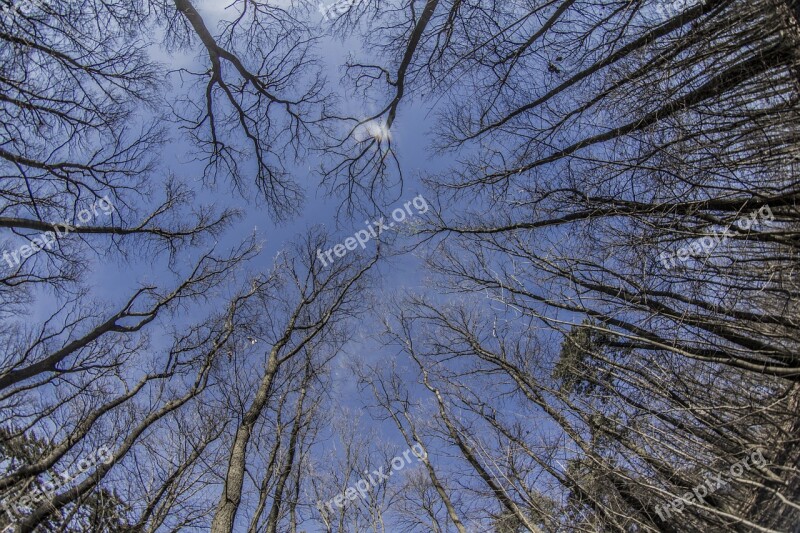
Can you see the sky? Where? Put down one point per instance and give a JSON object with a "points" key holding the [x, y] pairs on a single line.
{"points": [[114, 281], [411, 139]]}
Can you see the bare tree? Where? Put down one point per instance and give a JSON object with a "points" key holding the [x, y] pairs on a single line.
{"points": [[308, 305], [611, 339]]}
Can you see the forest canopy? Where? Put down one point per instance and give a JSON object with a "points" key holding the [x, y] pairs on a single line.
{"points": [[399, 266]]}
